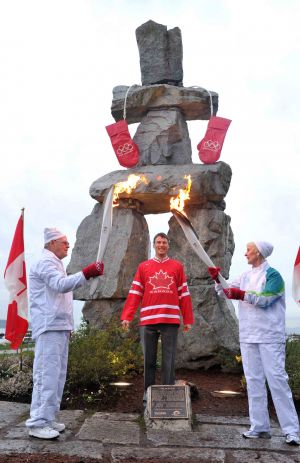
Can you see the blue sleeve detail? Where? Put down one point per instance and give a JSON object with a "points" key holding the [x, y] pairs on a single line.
{"points": [[273, 290], [274, 283]]}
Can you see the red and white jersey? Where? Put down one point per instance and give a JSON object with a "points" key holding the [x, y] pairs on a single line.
{"points": [[160, 289]]}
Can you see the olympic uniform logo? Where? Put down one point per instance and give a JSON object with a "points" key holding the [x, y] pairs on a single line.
{"points": [[211, 145], [124, 149]]}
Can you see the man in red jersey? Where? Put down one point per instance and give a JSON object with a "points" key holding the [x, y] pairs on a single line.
{"points": [[160, 289]]}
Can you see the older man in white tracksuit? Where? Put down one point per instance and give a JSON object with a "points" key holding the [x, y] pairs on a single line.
{"points": [[260, 292], [51, 313]]}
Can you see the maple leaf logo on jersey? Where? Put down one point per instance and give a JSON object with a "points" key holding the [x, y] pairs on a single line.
{"points": [[161, 280]]}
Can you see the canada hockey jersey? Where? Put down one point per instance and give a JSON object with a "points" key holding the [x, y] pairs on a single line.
{"points": [[160, 289]]}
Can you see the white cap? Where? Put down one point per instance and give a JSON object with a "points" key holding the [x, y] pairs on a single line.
{"points": [[264, 248], [52, 234]]}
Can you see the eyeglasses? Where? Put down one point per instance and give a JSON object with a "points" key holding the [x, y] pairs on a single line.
{"points": [[66, 243]]}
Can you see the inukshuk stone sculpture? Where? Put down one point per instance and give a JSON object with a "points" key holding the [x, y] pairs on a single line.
{"points": [[162, 106]]}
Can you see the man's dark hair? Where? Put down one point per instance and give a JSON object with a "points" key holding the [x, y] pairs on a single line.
{"points": [[162, 235]]}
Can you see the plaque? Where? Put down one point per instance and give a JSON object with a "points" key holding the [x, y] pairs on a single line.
{"points": [[168, 402]]}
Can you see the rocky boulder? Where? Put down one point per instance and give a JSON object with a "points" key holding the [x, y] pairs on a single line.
{"points": [[210, 184], [192, 102], [128, 245]]}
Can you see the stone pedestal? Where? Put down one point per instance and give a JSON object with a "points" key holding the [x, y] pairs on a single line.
{"points": [[172, 411]]}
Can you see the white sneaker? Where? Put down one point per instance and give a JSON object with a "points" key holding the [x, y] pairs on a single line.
{"points": [[256, 435], [292, 439], [60, 427], [44, 433]]}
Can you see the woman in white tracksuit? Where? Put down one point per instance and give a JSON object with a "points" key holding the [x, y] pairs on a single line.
{"points": [[260, 292], [51, 311]]}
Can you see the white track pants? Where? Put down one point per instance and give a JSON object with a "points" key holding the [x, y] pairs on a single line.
{"points": [[49, 376], [263, 362]]}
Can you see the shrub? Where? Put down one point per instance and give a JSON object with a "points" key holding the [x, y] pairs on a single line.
{"points": [[292, 365], [229, 361], [97, 358], [13, 382]]}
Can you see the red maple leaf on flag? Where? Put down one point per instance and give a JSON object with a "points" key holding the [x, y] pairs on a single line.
{"points": [[161, 280], [23, 280]]}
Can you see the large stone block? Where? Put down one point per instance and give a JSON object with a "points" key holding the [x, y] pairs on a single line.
{"points": [[193, 102], [163, 138], [160, 53], [99, 313], [214, 329], [210, 184], [215, 235], [128, 245]]}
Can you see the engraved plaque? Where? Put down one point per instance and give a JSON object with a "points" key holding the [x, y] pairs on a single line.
{"points": [[168, 402]]}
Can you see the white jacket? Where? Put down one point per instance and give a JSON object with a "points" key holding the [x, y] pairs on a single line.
{"points": [[50, 295], [262, 312]]}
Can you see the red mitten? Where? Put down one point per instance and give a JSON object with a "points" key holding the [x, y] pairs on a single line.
{"points": [[93, 270], [214, 271], [211, 146], [126, 150], [234, 293]]}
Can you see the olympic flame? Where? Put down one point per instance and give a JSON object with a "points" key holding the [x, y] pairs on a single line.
{"points": [[127, 186], [178, 201]]}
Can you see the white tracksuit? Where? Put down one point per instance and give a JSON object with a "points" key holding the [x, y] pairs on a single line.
{"points": [[262, 341], [51, 310]]}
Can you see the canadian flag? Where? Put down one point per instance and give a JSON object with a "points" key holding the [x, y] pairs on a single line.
{"points": [[15, 281], [296, 279]]}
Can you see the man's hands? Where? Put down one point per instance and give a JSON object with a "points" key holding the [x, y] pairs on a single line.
{"points": [[187, 328], [214, 271], [93, 270], [234, 293], [125, 325]]}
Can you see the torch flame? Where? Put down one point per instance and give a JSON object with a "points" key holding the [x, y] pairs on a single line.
{"points": [[178, 201], [127, 186]]}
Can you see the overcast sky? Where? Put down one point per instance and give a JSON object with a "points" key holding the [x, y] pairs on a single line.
{"points": [[59, 62]]}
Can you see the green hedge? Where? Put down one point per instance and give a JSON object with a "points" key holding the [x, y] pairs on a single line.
{"points": [[292, 364], [97, 358]]}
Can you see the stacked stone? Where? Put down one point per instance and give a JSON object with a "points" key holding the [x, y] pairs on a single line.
{"points": [[162, 106]]}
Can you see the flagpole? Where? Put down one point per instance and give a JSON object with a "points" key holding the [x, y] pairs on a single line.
{"points": [[21, 346]]}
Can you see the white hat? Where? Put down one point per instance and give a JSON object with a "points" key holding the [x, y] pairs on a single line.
{"points": [[264, 248], [52, 234]]}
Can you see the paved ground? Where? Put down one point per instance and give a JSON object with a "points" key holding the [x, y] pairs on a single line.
{"points": [[120, 436]]}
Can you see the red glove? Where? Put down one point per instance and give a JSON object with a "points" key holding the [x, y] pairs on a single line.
{"points": [[93, 270], [214, 271], [211, 145], [125, 149], [234, 293]]}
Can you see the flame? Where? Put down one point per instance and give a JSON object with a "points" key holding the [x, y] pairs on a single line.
{"points": [[128, 185], [178, 201]]}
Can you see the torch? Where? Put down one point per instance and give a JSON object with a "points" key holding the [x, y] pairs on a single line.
{"points": [[105, 232], [193, 240], [111, 201]]}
